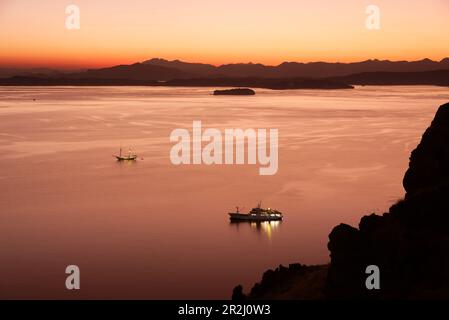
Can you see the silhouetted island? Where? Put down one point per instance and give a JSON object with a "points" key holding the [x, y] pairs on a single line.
{"points": [[409, 243], [235, 92]]}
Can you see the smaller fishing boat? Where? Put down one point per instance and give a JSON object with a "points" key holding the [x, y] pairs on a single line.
{"points": [[256, 214], [129, 157]]}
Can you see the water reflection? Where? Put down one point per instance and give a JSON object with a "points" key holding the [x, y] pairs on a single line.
{"points": [[126, 162], [267, 228]]}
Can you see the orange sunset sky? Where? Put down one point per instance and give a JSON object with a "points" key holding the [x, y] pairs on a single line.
{"points": [[33, 33]]}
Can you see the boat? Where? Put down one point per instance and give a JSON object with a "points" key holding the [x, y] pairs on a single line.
{"points": [[256, 214], [129, 157]]}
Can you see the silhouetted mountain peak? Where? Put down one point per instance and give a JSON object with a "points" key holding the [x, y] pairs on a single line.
{"points": [[155, 60], [195, 69]]}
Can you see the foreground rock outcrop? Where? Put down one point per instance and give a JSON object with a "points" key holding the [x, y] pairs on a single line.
{"points": [[429, 162], [409, 243], [296, 281]]}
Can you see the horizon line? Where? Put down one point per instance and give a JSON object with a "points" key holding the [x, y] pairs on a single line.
{"points": [[72, 67]]}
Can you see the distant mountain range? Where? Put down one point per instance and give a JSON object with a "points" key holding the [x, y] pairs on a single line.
{"points": [[11, 72], [287, 75], [297, 69]]}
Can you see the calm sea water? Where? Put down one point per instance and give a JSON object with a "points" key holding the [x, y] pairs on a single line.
{"points": [[154, 230]]}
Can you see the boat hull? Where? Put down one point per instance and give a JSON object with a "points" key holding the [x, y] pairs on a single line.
{"points": [[253, 217], [132, 158]]}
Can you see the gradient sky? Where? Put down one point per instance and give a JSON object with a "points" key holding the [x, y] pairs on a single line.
{"points": [[33, 33]]}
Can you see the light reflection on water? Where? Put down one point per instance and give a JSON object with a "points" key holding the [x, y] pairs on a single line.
{"points": [[265, 228]]}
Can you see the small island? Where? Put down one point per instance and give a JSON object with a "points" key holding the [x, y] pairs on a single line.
{"points": [[235, 92]]}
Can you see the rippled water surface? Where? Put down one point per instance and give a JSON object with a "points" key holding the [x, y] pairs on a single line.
{"points": [[151, 229]]}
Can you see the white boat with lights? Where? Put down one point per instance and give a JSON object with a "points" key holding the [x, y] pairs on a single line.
{"points": [[257, 214]]}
